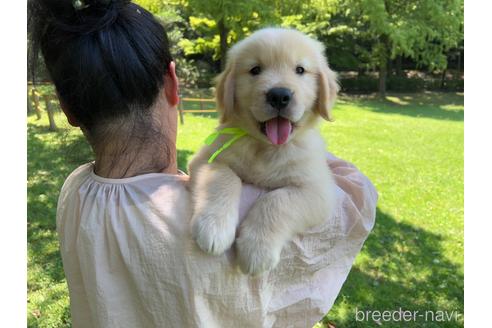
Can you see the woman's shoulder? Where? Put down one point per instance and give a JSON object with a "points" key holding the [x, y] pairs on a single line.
{"points": [[78, 175], [85, 173], [88, 199], [83, 184]]}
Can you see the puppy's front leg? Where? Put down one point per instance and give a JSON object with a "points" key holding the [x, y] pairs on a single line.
{"points": [[273, 220], [216, 193]]}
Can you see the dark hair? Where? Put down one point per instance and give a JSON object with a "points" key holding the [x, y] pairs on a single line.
{"points": [[107, 58]]}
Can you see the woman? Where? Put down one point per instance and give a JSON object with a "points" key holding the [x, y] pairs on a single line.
{"points": [[123, 221]]}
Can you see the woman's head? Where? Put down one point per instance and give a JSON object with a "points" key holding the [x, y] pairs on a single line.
{"points": [[108, 60]]}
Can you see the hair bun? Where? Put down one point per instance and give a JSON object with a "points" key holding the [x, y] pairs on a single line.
{"points": [[93, 15], [76, 16], [83, 4]]}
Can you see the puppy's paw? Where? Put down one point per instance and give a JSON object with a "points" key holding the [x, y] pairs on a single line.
{"points": [[256, 256], [213, 234]]}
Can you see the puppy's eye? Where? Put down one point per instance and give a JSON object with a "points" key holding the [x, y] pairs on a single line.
{"points": [[300, 70], [255, 70]]}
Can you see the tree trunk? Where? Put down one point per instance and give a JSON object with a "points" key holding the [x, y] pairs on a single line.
{"points": [[360, 72], [443, 78], [382, 78], [459, 65], [51, 117], [383, 62], [399, 64], [36, 103], [29, 104], [223, 32]]}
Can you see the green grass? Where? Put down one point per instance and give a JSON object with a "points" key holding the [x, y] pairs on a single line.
{"points": [[410, 146]]}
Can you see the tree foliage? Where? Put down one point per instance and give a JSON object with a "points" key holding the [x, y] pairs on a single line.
{"points": [[173, 16], [424, 30], [358, 34], [220, 23], [421, 29]]}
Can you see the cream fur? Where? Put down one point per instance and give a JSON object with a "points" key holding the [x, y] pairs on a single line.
{"points": [[301, 187]]}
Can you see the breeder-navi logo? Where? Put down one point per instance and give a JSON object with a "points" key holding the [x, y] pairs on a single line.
{"points": [[401, 315]]}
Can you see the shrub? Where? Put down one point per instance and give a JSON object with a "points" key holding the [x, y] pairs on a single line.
{"points": [[361, 84], [370, 84], [455, 85], [405, 84]]}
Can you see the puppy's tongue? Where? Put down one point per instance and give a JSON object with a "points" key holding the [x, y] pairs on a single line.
{"points": [[278, 130]]}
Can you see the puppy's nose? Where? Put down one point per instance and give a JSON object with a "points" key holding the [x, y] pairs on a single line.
{"points": [[279, 98]]}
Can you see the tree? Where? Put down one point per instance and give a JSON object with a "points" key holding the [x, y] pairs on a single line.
{"points": [[229, 20], [423, 30], [323, 20], [174, 16]]}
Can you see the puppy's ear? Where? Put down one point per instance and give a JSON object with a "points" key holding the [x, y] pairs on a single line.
{"points": [[224, 91], [327, 90]]}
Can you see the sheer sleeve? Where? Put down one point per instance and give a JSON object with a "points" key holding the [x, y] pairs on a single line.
{"points": [[316, 263]]}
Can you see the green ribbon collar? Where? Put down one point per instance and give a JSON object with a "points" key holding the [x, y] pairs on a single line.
{"points": [[236, 134]]}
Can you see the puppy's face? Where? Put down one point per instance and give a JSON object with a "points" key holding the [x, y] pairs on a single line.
{"points": [[276, 83]]}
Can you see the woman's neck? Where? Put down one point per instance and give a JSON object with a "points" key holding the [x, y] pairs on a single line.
{"points": [[132, 161], [138, 144], [126, 153]]}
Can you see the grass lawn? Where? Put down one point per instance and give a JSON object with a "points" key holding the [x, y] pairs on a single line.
{"points": [[410, 146]]}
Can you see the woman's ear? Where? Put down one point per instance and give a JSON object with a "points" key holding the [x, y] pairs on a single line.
{"points": [[224, 91], [171, 85], [327, 90]]}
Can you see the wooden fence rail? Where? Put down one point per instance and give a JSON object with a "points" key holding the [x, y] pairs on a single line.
{"points": [[182, 107], [34, 98]]}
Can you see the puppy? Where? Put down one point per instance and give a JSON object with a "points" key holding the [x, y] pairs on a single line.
{"points": [[276, 86]]}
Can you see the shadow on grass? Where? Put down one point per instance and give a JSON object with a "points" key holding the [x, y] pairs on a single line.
{"points": [[406, 269], [48, 166], [52, 156], [441, 106]]}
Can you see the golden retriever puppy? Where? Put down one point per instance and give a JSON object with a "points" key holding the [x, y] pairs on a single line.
{"points": [[275, 88]]}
